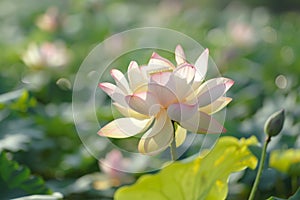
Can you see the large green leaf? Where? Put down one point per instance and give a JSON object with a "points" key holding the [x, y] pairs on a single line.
{"points": [[203, 178], [17, 176]]}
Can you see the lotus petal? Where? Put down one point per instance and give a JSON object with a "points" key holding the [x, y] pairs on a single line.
{"points": [[115, 93], [124, 127], [128, 112], [179, 55], [121, 81], [180, 135], [159, 137], [137, 79], [165, 95], [199, 122], [201, 65], [144, 103], [216, 106], [158, 63], [213, 89], [181, 112], [185, 71]]}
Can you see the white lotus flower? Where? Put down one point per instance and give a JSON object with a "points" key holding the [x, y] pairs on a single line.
{"points": [[158, 95]]}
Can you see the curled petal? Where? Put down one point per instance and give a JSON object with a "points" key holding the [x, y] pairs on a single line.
{"points": [[121, 81], [201, 65], [137, 79], [213, 89], [157, 138], [124, 127], [179, 55], [216, 105], [144, 103]]}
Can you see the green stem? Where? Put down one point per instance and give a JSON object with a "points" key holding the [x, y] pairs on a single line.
{"points": [[173, 145], [260, 168]]}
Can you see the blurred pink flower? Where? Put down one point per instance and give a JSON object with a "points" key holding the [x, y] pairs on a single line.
{"points": [[112, 163], [241, 33], [46, 55], [49, 21], [160, 94]]}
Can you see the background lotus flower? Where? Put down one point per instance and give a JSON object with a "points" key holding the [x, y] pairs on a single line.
{"points": [[112, 162], [110, 166], [50, 20], [160, 94], [46, 55]]}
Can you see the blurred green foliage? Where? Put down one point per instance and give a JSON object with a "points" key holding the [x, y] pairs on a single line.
{"points": [[255, 43], [16, 176]]}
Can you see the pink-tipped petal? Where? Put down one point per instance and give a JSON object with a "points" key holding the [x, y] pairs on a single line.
{"points": [[179, 55], [124, 127], [158, 63], [201, 65], [133, 65], [213, 89], [144, 103], [228, 83], [216, 106], [108, 88], [120, 80], [157, 138], [115, 93]]}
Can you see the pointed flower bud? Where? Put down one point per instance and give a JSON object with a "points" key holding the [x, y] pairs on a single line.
{"points": [[274, 123]]}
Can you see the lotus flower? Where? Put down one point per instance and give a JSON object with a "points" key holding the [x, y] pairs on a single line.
{"points": [[47, 54], [159, 98]]}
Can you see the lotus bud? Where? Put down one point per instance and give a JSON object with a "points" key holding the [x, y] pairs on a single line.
{"points": [[274, 123]]}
